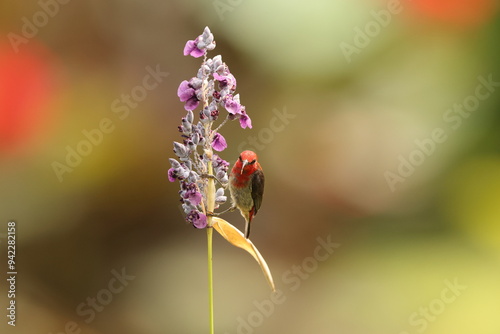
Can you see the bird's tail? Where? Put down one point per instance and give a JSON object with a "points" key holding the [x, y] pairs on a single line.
{"points": [[247, 228], [248, 221]]}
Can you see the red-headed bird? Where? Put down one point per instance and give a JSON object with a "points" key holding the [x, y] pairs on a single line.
{"points": [[246, 185]]}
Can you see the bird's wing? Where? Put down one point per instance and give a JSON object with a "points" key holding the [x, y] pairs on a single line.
{"points": [[257, 189]]}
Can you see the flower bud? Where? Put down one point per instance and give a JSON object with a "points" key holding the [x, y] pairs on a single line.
{"points": [[181, 151], [174, 163], [217, 62], [190, 116]]}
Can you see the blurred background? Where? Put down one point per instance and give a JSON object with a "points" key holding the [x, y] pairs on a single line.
{"points": [[376, 122]]}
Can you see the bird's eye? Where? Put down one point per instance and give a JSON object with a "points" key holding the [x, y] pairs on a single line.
{"points": [[241, 160], [253, 161]]}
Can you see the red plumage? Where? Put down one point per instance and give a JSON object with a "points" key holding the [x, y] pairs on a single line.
{"points": [[246, 185]]}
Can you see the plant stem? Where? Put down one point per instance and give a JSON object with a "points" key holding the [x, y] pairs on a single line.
{"points": [[210, 208], [210, 195], [210, 281]]}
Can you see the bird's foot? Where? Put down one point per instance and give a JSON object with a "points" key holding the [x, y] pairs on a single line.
{"points": [[210, 176], [217, 214], [231, 209]]}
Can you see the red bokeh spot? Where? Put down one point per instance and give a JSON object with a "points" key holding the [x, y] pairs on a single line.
{"points": [[463, 13], [27, 86]]}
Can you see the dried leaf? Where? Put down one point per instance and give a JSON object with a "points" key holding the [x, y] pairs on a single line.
{"points": [[236, 238]]}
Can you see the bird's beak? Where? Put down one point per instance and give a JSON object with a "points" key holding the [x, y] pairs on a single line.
{"points": [[245, 162]]}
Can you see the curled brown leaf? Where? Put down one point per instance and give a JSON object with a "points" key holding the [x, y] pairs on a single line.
{"points": [[236, 238]]}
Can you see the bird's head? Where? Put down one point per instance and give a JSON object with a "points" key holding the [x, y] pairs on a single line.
{"points": [[247, 160]]}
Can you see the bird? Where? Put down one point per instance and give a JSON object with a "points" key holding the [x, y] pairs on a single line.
{"points": [[246, 186]]}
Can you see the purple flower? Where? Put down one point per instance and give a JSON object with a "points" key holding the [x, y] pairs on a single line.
{"points": [[232, 105], [245, 120], [190, 192], [219, 142], [187, 94], [214, 88], [191, 49], [227, 80], [220, 166], [198, 219], [214, 114], [200, 45], [172, 174], [218, 162]]}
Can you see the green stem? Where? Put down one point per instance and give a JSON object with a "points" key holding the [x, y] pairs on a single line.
{"points": [[210, 208], [210, 281], [210, 194]]}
